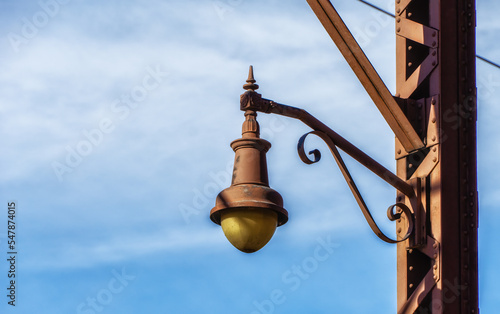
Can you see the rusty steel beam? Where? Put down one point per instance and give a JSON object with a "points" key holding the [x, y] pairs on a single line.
{"points": [[367, 75], [435, 57]]}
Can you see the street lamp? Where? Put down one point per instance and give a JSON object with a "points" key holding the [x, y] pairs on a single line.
{"points": [[433, 117], [249, 210]]}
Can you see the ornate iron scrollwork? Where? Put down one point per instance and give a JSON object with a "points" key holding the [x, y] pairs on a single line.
{"points": [[357, 195]]}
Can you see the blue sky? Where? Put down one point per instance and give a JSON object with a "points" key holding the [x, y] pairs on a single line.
{"points": [[149, 94]]}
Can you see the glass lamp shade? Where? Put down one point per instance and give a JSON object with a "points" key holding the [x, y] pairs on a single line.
{"points": [[249, 215], [249, 228]]}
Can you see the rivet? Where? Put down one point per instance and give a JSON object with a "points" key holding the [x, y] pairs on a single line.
{"points": [[398, 10], [433, 120], [398, 29], [434, 159], [410, 166], [472, 225], [433, 138], [471, 204], [435, 245], [433, 101], [434, 149], [435, 277], [398, 19], [434, 256], [433, 62], [398, 94], [434, 53], [410, 285], [466, 266], [410, 251], [410, 268], [399, 151], [398, 1], [410, 14], [466, 249], [434, 34], [471, 194], [434, 44], [435, 266], [410, 64], [410, 47], [399, 230]]}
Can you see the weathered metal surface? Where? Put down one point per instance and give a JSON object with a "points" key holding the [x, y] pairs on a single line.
{"points": [[419, 75], [447, 283], [419, 213], [427, 284], [366, 74], [417, 32], [467, 194]]}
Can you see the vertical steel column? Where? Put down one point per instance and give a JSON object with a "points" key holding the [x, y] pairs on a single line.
{"points": [[435, 52]]}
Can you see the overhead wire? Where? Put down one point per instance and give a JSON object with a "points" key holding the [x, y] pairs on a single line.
{"points": [[392, 15]]}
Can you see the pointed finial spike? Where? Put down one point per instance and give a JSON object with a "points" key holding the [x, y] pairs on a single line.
{"points": [[250, 85], [250, 75]]}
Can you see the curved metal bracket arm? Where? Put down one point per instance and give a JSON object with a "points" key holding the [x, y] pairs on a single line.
{"points": [[252, 100], [357, 195]]}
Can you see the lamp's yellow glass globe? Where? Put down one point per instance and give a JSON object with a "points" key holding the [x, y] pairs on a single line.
{"points": [[249, 229]]}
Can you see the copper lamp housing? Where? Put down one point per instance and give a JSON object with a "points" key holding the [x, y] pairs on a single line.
{"points": [[249, 210]]}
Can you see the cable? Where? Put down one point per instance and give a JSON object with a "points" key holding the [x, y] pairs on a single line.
{"points": [[377, 8], [392, 15]]}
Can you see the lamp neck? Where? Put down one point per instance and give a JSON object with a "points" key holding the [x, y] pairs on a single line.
{"points": [[250, 128]]}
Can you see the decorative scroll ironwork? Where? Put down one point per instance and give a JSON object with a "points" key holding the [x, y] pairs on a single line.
{"points": [[357, 195]]}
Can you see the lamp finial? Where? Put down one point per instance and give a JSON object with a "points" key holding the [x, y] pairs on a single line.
{"points": [[250, 85]]}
